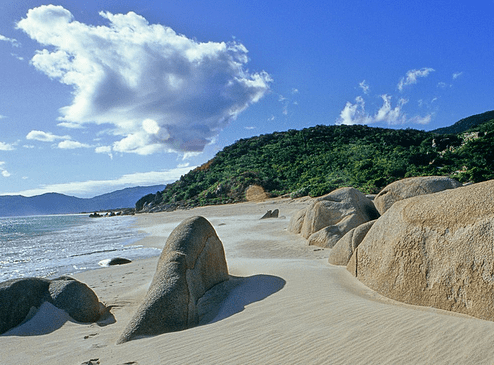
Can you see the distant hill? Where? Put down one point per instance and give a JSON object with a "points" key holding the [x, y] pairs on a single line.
{"points": [[314, 161], [466, 123], [54, 203]]}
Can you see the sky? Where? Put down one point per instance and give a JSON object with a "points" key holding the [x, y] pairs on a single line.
{"points": [[96, 96]]}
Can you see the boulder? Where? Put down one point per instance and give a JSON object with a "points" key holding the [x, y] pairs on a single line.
{"points": [[328, 218], [192, 262], [75, 298], [21, 298], [434, 250], [271, 214], [343, 250], [411, 187], [296, 221], [119, 261]]}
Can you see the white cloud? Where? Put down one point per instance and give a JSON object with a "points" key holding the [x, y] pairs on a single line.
{"points": [[364, 86], [412, 76], [71, 145], [3, 171], [456, 75], [85, 189], [129, 72], [355, 113], [10, 40], [389, 114], [6, 146], [44, 136]]}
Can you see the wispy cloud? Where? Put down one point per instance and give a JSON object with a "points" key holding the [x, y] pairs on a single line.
{"points": [[364, 86], [3, 171], [456, 75], [6, 146], [160, 90], [356, 113], [10, 40], [44, 136], [71, 145], [412, 77], [86, 189]]}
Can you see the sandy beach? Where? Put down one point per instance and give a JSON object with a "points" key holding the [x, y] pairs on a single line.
{"points": [[284, 304]]}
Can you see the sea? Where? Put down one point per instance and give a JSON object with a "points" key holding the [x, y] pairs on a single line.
{"points": [[49, 246]]}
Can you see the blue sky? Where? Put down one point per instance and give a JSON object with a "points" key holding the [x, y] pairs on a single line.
{"points": [[96, 96]]}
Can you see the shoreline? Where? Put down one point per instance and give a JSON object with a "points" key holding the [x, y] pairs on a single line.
{"points": [[290, 306]]}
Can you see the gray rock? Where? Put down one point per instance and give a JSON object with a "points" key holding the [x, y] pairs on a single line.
{"points": [[119, 261], [19, 297], [271, 214], [192, 262], [76, 298], [411, 187]]}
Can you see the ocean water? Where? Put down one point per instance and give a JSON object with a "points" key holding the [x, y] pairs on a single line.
{"points": [[50, 246]]}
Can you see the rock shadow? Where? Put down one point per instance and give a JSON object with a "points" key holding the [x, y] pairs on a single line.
{"points": [[232, 296], [48, 319]]}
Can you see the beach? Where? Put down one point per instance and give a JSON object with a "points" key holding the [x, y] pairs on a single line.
{"points": [[285, 304]]}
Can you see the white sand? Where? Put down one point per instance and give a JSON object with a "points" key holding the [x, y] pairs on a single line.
{"points": [[285, 305]]}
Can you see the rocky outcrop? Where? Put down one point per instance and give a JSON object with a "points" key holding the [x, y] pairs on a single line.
{"points": [[344, 248], [434, 250], [271, 214], [20, 298], [411, 187], [329, 217], [192, 262]]}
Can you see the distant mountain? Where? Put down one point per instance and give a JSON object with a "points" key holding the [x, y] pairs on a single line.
{"points": [[54, 203], [466, 123]]}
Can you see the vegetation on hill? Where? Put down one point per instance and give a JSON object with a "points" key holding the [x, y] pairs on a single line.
{"points": [[466, 123], [314, 161]]}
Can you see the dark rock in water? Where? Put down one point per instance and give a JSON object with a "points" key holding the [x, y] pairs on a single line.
{"points": [[76, 298], [95, 215], [192, 262], [17, 297], [271, 214], [119, 261]]}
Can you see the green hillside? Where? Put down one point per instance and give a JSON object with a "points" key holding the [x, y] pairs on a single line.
{"points": [[317, 160]]}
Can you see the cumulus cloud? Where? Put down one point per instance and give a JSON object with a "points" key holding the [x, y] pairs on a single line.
{"points": [[160, 90], [86, 189], [71, 145], [3, 171], [44, 136], [412, 77], [6, 146], [354, 113]]}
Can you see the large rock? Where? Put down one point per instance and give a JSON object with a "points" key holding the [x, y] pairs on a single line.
{"points": [[21, 298], [434, 250], [411, 187], [328, 218], [75, 298], [192, 262], [18, 297], [343, 250]]}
